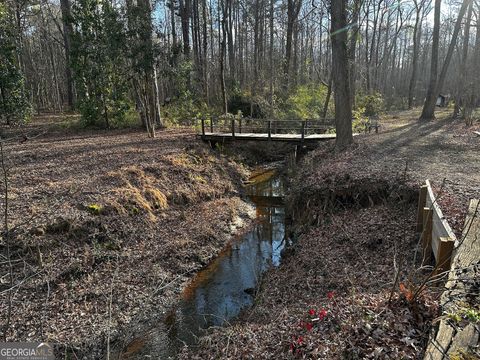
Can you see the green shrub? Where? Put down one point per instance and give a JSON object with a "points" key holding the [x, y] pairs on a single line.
{"points": [[373, 105], [359, 120], [307, 102], [184, 111], [14, 104]]}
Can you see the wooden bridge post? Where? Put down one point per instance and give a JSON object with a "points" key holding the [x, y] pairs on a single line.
{"points": [[422, 200], [233, 128], [203, 127], [303, 131], [427, 235], [269, 129], [444, 254], [240, 124], [211, 124]]}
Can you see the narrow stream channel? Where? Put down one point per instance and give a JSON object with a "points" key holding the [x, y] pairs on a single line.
{"points": [[226, 286]]}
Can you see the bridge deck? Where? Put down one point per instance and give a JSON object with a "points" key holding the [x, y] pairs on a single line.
{"points": [[222, 136]]}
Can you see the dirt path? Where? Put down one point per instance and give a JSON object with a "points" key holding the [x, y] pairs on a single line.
{"points": [[443, 151], [437, 150]]}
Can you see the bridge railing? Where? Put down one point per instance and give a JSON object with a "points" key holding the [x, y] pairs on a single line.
{"points": [[437, 237], [233, 125]]}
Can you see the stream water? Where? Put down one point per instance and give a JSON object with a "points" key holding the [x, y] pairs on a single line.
{"points": [[226, 286]]}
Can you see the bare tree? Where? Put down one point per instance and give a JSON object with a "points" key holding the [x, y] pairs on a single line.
{"points": [[67, 34], [343, 104], [431, 98]]}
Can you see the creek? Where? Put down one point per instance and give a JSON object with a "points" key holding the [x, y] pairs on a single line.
{"points": [[218, 293]]}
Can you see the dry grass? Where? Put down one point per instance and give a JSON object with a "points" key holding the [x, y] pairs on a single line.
{"points": [[137, 192], [139, 227]]}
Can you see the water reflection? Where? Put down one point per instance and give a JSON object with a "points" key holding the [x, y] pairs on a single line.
{"points": [[219, 292]]}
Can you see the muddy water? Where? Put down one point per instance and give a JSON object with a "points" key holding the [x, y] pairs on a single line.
{"points": [[218, 293]]}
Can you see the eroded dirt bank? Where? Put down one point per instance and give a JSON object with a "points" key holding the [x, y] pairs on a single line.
{"points": [[330, 297], [336, 295], [107, 227]]}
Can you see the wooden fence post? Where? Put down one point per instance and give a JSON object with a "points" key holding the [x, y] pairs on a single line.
{"points": [[203, 126], [422, 200], [240, 124], [444, 254], [269, 129], [211, 124], [233, 128], [303, 131], [427, 235]]}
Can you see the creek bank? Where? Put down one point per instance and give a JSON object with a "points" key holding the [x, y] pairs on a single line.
{"points": [[224, 288], [117, 225], [336, 296]]}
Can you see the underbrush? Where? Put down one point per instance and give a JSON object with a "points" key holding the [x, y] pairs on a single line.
{"points": [[336, 294], [344, 288]]}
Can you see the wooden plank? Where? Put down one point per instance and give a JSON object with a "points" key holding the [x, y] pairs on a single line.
{"points": [[469, 250], [449, 342], [440, 229], [422, 198], [439, 222], [444, 254], [427, 236], [273, 137], [438, 347], [477, 133]]}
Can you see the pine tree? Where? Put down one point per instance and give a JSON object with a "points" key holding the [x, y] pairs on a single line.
{"points": [[14, 104], [98, 48]]}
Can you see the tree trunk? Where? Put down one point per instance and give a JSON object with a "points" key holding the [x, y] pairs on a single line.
{"points": [[459, 98], [270, 56], [428, 112], [453, 43], [67, 33], [293, 9], [327, 98], [351, 56], [343, 104], [205, 50], [416, 41], [184, 10], [158, 114], [222, 59]]}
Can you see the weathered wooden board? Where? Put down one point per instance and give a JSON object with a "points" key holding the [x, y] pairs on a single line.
{"points": [[442, 236], [469, 251], [477, 132], [451, 340], [265, 137]]}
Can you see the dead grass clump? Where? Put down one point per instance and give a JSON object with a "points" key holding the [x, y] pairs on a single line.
{"points": [[156, 197], [134, 202], [136, 192], [184, 160], [198, 179], [182, 196]]}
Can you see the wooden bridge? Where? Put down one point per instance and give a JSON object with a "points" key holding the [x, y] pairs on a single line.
{"points": [[293, 131]]}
